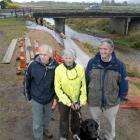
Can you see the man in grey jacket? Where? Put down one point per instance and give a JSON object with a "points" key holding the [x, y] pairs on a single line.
{"points": [[107, 85]]}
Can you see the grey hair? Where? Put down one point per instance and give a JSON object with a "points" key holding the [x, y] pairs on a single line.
{"points": [[69, 52], [46, 48], [107, 41]]}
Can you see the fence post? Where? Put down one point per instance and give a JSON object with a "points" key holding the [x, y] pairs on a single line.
{"points": [[15, 13]]}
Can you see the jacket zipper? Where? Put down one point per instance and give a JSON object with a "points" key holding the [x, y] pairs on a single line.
{"points": [[103, 95], [103, 104]]}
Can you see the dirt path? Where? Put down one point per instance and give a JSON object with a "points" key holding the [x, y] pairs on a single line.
{"points": [[15, 111]]}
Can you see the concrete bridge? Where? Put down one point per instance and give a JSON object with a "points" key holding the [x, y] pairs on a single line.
{"points": [[120, 19]]}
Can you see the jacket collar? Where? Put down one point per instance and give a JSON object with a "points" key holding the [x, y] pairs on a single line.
{"points": [[70, 67], [97, 59]]}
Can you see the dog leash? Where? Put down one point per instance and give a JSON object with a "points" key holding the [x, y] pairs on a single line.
{"points": [[79, 115]]}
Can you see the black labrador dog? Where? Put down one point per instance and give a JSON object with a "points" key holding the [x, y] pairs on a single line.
{"points": [[88, 130]]}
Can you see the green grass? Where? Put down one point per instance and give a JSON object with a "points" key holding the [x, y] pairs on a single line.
{"points": [[48, 25], [131, 40], [88, 25], [92, 26], [86, 47], [10, 28], [100, 27], [55, 5], [133, 8], [77, 5], [92, 50]]}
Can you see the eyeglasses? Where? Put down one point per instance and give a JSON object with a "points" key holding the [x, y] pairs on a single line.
{"points": [[71, 74]]}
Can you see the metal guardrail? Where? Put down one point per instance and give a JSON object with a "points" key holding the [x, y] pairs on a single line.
{"points": [[15, 12], [73, 13]]}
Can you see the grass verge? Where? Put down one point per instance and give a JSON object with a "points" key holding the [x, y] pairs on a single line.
{"points": [[10, 28], [86, 47]]}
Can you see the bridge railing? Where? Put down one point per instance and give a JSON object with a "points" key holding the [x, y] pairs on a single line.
{"points": [[71, 12]]}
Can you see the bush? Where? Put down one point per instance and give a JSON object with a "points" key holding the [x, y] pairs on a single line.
{"points": [[136, 45]]}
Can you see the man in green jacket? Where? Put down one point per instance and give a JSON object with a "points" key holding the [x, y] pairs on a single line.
{"points": [[107, 85]]}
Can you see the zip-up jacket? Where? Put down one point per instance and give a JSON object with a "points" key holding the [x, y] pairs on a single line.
{"points": [[70, 85], [106, 85], [40, 80]]}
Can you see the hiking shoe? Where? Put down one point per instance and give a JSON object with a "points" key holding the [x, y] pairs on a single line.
{"points": [[63, 138], [47, 133]]}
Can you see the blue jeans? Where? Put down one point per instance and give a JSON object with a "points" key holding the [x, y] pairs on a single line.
{"points": [[41, 115]]}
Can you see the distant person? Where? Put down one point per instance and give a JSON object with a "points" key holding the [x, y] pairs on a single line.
{"points": [[36, 20], [107, 85], [41, 21], [11, 13], [40, 90], [70, 87]]}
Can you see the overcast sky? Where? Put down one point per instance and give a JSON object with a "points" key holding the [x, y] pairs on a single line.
{"points": [[74, 0]]}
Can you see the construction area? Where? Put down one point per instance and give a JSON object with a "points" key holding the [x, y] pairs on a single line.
{"points": [[15, 110]]}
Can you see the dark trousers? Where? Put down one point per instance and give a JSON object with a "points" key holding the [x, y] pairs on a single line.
{"points": [[65, 112]]}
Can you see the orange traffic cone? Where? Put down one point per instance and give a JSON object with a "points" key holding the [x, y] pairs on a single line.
{"points": [[22, 58], [57, 57]]}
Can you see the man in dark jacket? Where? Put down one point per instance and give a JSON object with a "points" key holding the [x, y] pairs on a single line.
{"points": [[107, 85], [40, 90]]}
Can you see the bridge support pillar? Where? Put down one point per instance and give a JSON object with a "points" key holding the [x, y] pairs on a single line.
{"points": [[120, 25], [60, 25]]}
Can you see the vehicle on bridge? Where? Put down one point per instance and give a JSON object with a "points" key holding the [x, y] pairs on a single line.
{"points": [[93, 7]]}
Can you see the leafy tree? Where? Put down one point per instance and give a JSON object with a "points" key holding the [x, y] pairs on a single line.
{"points": [[3, 4], [9, 1], [8, 4]]}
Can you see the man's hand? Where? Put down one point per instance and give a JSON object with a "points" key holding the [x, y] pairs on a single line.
{"points": [[54, 104], [30, 101]]}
